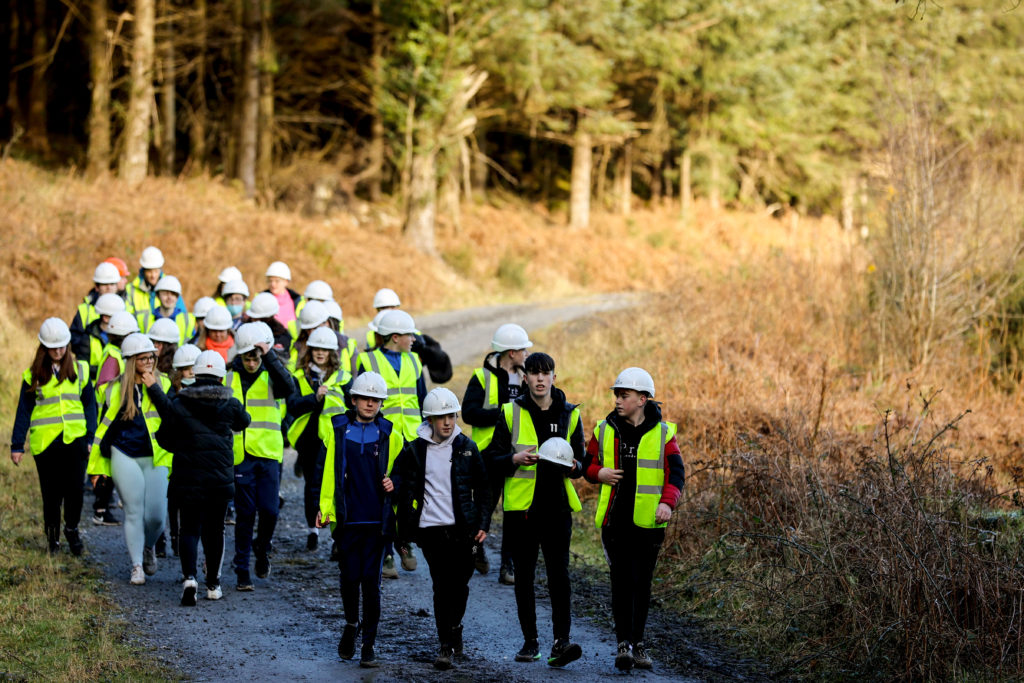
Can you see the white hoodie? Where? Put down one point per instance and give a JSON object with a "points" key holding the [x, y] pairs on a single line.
{"points": [[438, 508]]}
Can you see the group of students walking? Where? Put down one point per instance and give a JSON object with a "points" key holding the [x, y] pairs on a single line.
{"points": [[190, 429]]}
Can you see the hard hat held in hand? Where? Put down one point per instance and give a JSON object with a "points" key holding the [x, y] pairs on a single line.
{"points": [[264, 305], [109, 304], [313, 314], [164, 330], [230, 274], [210, 363], [636, 379], [323, 338], [218, 318], [510, 337], [319, 290], [54, 333], [135, 344], [279, 269], [151, 258], [440, 401], [185, 356], [106, 274], [122, 324], [395, 322], [247, 337], [556, 450], [370, 385]]}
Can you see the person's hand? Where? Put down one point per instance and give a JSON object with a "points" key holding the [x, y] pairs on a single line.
{"points": [[321, 391], [264, 348], [93, 478], [663, 513], [527, 457], [321, 522], [388, 485], [480, 536], [16, 457], [607, 475], [148, 377]]}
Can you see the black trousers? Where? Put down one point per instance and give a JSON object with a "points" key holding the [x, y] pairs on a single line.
{"points": [[528, 534], [497, 488], [449, 554], [202, 518], [632, 552], [102, 493], [312, 476], [61, 468], [360, 557]]}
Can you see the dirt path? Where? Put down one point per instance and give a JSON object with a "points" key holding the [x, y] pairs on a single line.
{"points": [[289, 627]]}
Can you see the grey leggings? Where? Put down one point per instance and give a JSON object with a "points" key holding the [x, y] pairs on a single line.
{"points": [[143, 491]]}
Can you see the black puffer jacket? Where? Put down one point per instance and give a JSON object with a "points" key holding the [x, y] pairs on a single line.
{"points": [[198, 427], [470, 489]]}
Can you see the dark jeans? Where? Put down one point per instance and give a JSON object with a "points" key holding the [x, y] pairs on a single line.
{"points": [[312, 476], [528, 534], [632, 552], [202, 518], [360, 556], [61, 468], [497, 488], [257, 484], [449, 554]]}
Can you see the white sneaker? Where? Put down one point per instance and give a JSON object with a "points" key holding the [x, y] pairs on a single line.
{"points": [[214, 593], [188, 593], [149, 561], [138, 576]]}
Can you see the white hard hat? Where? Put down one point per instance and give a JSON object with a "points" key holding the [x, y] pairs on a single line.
{"points": [[372, 325], [265, 331], [510, 337], [230, 274], [151, 258], [369, 384], [236, 286], [122, 324], [313, 314], [334, 310], [106, 274], [279, 269], [636, 379], [164, 330], [168, 283], [323, 338], [385, 298], [185, 356], [264, 305], [440, 401], [218, 318], [556, 450], [210, 363], [247, 336], [136, 343], [203, 306], [54, 333], [109, 304], [396, 322], [320, 290]]}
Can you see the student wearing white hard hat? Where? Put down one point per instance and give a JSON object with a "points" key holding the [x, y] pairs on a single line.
{"points": [[164, 335], [634, 457], [443, 503], [289, 302], [264, 309], [140, 295], [235, 295], [198, 427], [495, 383], [200, 308], [125, 448], [229, 274], [348, 349], [218, 334], [355, 500], [90, 345], [168, 303], [56, 416], [312, 317], [317, 372], [384, 300], [426, 348], [105, 280]]}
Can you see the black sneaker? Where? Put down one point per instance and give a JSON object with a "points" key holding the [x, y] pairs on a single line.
{"points": [[367, 660], [457, 648], [244, 581], [443, 661], [641, 659], [506, 575], [529, 652], [312, 540], [262, 566], [347, 644], [563, 652], [229, 516], [624, 656], [74, 541], [480, 559], [105, 518], [188, 592]]}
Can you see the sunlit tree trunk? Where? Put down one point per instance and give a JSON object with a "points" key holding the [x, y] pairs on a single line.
{"points": [[579, 188], [168, 106], [422, 211], [625, 178], [197, 94], [98, 153], [268, 69], [37, 92], [250, 95], [376, 150], [135, 157]]}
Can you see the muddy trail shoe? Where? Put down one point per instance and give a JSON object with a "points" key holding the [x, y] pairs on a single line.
{"points": [[188, 592], [457, 647], [244, 582], [443, 661], [74, 542], [506, 576], [347, 644], [149, 564], [408, 558], [480, 559], [641, 659], [262, 566], [563, 652], [138, 576], [389, 571], [624, 657], [529, 652], [367, 659], [214, 593]]}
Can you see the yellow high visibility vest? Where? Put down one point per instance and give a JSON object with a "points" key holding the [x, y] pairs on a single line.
{"points": [[58, 410], [402, 406], [263, 437], [482, 435], [336, 381], [650, 472], [161, 458], [520, 486], [185, 321], [109, 351]]}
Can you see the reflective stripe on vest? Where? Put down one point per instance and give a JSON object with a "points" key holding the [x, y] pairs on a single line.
{"points": [[262, 438], [519, 488], [337, 379], [650, 473], [161, 457], [58, 410], [402, 406]]}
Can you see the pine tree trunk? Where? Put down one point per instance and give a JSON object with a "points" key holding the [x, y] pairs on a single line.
{"points": [[250, 96], [232, 154], [625, 178], [197, 94], [37, 136], [601, 180], [268, 68], [376, 150], [135, 158], [99, 112], [419, 223], [579, 187], [168, 106]]}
